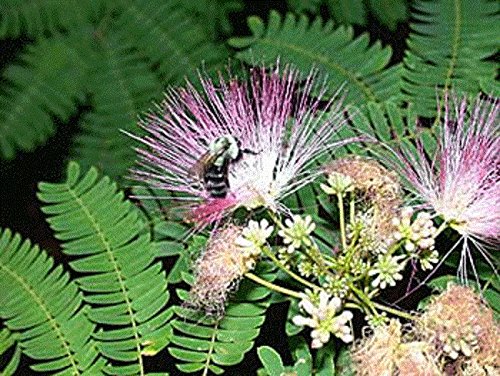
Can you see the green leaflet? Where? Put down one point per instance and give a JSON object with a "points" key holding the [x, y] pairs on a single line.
{"points": [[390, 12], [7, 341], [109, 245], [43, 311], [48, 82], [271, 360], [36, 18], [448, 48], [347, 11], [305, 6], [343, 364], [345, 60], [213, 15], [203, 343], [170, 235]]}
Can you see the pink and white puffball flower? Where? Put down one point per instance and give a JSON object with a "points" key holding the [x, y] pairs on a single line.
{"points": [[461, 182], [273, 129]]}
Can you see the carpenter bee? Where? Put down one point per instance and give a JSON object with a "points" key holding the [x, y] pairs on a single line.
{"points": [[213, 166]]}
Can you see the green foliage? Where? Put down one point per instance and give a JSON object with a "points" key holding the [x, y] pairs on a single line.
{"points": [[112, 60], [204, 343], [39, 17], [170, 236], [390, 124], [46, 83], [388, 12], [213, 15], [335, 52], [448, 48], [347, 11], [273, 364], [8, 340], [171, 37], [121, 85], [271, 360], [110, 246], [305, 6], [44, 310], [100, 65], [343, 364], [325, 361]]}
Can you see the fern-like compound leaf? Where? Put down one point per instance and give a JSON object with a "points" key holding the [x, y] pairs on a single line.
{"points": [[388, 123], [122, 85], [47, 83], [38, 17], [44, 309], [203, 344], [109, 244], [362, 67], [450, 43], [174, 40]]}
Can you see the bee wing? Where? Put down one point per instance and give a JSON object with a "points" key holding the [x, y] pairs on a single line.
{"points": [[199, 167]]}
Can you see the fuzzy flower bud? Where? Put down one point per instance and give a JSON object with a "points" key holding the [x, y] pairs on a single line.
{"points": [[388, 352], [218, 271], [323, 318], [462, 328], [376, 189]]}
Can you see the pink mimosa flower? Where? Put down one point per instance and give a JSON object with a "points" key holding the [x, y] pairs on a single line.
{"points": [[271, 126], [460, 183]]}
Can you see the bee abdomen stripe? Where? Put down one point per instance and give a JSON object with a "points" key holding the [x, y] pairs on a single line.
{"points": [[214, 184], [214, 175]]}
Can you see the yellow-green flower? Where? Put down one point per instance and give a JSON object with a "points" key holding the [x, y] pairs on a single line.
{"points": [[297, 232]]}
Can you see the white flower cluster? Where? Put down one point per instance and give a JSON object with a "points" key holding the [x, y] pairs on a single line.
{"points": [[416, 234], [337, 184], [253, 237], [324, 320], [387, 269], [297, 231]]}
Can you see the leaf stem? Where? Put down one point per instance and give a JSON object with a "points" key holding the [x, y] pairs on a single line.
{"points": [[280, 265], [351, 207], [372, 305], [362, 297], [272, 286], [395, 312], [342, 221]]}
